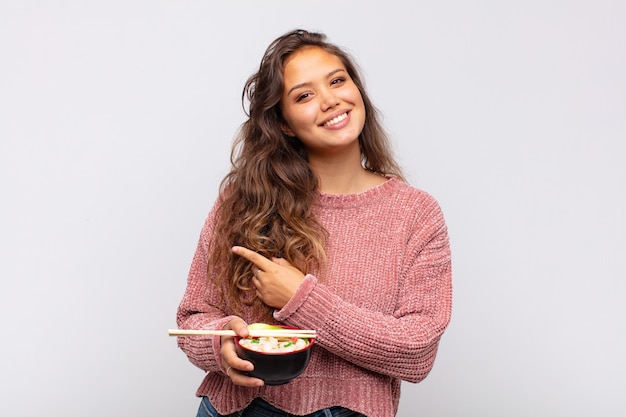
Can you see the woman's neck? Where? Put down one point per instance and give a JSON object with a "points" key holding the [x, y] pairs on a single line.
{"points": [[344, 176]]}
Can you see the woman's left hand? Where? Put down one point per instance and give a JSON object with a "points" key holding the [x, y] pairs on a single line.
{"points": [[275, 280]]}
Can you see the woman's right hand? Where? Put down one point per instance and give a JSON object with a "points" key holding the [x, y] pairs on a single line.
{"points": [[235, 366]]}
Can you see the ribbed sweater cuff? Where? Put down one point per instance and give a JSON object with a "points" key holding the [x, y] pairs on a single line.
{"points": [[301, 295]]}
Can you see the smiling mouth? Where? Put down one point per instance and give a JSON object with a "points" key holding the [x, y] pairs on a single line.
{"points": [[336, 120]]}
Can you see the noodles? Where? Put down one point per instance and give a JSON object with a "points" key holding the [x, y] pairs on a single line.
{"points": [[274, 344]]}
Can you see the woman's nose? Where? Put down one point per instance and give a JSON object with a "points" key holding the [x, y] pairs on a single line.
{"points": [[329, 99]]}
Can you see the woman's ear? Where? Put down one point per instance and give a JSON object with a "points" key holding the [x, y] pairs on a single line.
{"points": [[287, 130]]}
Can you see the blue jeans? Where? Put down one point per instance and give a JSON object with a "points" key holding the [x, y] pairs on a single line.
{"points": [[260, 408]]}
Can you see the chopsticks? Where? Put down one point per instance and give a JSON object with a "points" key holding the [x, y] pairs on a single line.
{"points": [[305, 334]]}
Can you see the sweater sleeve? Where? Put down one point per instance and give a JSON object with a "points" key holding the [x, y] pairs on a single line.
{"points": [[200, 308], [403, 344]]}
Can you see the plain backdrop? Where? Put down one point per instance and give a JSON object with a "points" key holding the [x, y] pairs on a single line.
{"points": [[116, 122]]}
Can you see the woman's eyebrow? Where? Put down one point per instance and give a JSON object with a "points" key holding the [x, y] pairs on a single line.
{"points": [[308, 83]]}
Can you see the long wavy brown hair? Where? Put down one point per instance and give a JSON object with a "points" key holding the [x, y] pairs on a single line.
{"points": [[266, 200]]}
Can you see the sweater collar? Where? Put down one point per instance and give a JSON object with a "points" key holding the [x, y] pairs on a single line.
{"points": [[358, 199]]}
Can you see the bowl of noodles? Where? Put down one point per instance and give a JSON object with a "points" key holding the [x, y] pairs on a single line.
{"points": [[276, 359]]}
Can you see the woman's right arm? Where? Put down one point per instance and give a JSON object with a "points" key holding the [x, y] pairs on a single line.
{"points": [[202, 308]]}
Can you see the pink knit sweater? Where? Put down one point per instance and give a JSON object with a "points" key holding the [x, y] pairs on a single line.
{"points": [[379, 310]]}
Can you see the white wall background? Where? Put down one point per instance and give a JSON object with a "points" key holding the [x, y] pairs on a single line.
{"points": [[116, 119]]}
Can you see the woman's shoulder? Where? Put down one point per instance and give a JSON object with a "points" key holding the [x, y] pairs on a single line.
{"points": [[414, 202], [404, 190]]}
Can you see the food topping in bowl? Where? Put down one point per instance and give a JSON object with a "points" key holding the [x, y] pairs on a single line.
{"points": [[274, 344]]}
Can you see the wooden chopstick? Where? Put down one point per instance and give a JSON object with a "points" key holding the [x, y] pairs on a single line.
{"points": [[306, 334]]}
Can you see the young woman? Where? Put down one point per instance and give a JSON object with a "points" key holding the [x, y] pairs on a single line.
{"points": [[315, 228]]}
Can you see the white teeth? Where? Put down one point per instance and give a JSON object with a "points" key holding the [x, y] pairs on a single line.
{"points": [[336, 120]]}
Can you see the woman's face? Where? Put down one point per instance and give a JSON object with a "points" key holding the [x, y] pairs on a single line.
{"points": [[320, 103]]}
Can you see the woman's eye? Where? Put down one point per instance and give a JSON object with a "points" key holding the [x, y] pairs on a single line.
{"points": [[302, 96], [337, 81]]}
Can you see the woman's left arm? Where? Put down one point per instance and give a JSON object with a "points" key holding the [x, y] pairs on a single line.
{"points": [[402, 344]]}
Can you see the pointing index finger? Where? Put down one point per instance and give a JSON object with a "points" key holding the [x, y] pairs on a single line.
{"points": [[257, 259]]}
